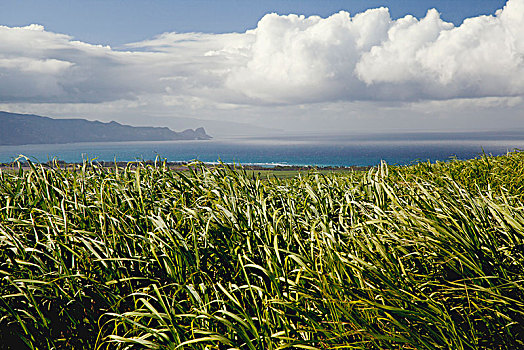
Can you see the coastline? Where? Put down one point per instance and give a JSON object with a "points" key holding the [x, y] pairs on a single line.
{"points": [[181, 166]]}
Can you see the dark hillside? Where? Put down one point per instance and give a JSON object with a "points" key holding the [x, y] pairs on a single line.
{"points": [[19, 129]]}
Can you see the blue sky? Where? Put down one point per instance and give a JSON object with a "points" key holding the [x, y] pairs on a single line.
{"points": [[295, 65], [116, 22]]}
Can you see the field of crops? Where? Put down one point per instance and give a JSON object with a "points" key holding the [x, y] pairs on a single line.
{"points": [[419, 257]]}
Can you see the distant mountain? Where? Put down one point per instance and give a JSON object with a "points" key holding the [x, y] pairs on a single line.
{"points": [[20, 129], [217, 128]]}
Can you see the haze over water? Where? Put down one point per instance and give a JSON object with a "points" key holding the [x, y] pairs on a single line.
{"points": [[315, 150]]}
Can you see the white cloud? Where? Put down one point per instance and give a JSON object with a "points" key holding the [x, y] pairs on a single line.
{"points": [[24, 64], [372, 57], [285, 60], [482, 57], [395, 59]]}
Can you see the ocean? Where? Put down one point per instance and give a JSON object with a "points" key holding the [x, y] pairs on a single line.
{"points": [[316, 150]]}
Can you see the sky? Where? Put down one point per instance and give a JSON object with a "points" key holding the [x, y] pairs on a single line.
{"points": [[301, 66]]}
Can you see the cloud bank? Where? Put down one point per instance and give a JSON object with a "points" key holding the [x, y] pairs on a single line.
{"points": [[285, 60]]}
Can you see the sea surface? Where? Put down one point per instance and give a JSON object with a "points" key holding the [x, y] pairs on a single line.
{"points": [[316, 150]]}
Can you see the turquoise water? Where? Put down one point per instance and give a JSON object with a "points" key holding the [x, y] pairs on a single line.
{"points": [[320, 150]]}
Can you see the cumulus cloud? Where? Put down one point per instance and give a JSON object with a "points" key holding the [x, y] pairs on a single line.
{"points": [[369, 56], [299, 59], [286, 60], [482, 57]]}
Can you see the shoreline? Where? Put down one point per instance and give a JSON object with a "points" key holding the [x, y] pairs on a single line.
{"points": [[181, 166]]}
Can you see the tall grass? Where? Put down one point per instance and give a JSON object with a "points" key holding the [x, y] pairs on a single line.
{"points": [[429, 256]]}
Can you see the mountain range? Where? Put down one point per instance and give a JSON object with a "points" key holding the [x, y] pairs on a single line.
{"points": [[20, 129]]}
